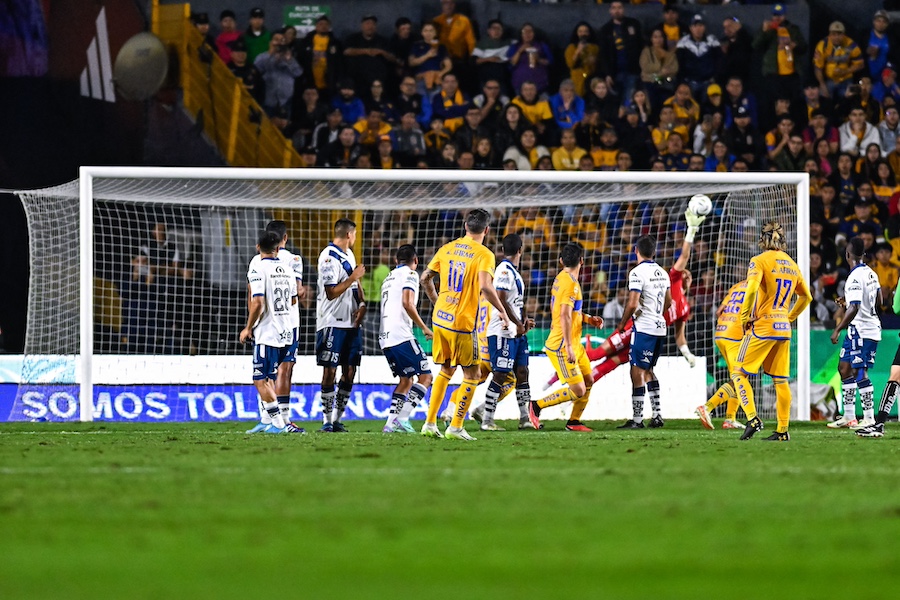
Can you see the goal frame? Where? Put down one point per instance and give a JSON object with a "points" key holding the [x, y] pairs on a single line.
{"points": [[87, 175]]}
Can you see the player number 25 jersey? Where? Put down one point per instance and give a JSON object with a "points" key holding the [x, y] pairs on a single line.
{"points": [[651, 281], [396, 324], [274, 280], [862, 288], [458, 264]]}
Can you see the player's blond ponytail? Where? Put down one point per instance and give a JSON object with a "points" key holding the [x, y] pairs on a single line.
{"points": [[772, 237]]}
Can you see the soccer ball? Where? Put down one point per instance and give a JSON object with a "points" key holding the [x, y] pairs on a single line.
{"points": [[700, 204]]}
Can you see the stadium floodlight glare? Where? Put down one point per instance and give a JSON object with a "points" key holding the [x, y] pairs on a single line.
{"points": [[84, 234]]}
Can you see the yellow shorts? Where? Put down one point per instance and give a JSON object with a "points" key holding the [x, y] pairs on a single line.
{"points": [[572, 372], [729, 350], [453, 348], [773, 356]]}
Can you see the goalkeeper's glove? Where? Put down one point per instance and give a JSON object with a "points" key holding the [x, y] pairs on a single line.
{"points": [[693, 222], [686, 353]]}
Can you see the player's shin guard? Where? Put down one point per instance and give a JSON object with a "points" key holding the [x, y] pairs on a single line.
{"points": [[438, 391], [328, 395], [731, 407], [744, 393], [416, 393], [557, 397], [637, 404], [264, 417], [491, 397], [782, 403], [653, 393], [284, 407], [578, 406], [465, 399], [887, 401], [523, 397], [397, 402], [274, 414], [722, 395], [341, 399], [848, 394], [867, 398]]}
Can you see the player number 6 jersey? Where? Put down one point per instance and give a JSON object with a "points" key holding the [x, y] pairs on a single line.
{"points": [[651, 281]]}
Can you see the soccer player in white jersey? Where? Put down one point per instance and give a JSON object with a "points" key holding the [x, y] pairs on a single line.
{"points": [[862, 296], [269, 323], [399, 300], [286, 368], [340, 309], [649, 297], [508, 347]]}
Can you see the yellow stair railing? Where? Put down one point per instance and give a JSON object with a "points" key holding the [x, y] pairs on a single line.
{"points": [[211, 91]]}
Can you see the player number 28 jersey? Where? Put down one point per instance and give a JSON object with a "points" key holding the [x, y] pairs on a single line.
{"points": [[651, 281], [507, 279], [728, 325], [274, 280], [296, 264], [396, 324], [862, 288], [779, 280], [458, 264]]}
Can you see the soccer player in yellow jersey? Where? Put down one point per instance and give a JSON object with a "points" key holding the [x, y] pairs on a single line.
{"points": [[729, 335], [773, 279], [465, 269], [563, 345]]}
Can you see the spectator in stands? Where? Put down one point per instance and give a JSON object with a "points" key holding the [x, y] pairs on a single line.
{"points": [[568, 155], [510, 128], [879, 46], [623, 161], [408, 139], [309, 155], [836, 60], [535, 220], [872, 107], [471, 130], [857, 133], [639, 101], [777, 139], [536, 111], [429, 61], [635, 138], [244, 70], [371, 129], [530, 60], [866, 165], [707, 131], [588, 230], [456, 33], [888, 273], [713, 104], [342, 152], [228, 33], [589, 130], [605, 152], [604, 100], [671, 27], [408, 100], [308, 113], [257, 36], [822, 284], [737, 50], [582, 56], [378, 99], [450, 104], [279, 69], [782, 46], [858, 221], [884, 185], [745, 140], [366, 55], [686, 109], [736, 97], [400, 46], [491, 102], [793, 156], [621, 41], [491, 60], [893, 157], [864, 191], [385, 158], [813, 100], [485, 155], [659, 68], [527, 152], [816, 179], [720, 160], [666, 128], [696, 162], [675, 158], [201, 22], [566, 106], [844, 179], [321, 53], [886, 85], [819, 242], [327, 132], [351, 107], [698, 57], [435, 139], [447, 158], [830, 210], [819, 129]]}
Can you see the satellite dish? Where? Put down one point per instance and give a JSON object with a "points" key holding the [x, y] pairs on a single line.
{"points": [[141, 67]]}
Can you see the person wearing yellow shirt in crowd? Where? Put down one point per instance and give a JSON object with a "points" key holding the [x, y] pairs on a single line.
{"points": [[563, 346], [450, 104], [321, 52], [465, 268], [836, 60], [782, 45], [385, 158], [674, 157], [686, 109], [455, 32], [371, 129], [535, 110], [666, 128], [531, 217], [729, 335], [582, 56], [605, 153], [566, 157], [589, 230], [766, 314], [671, 29], [888, 273]]}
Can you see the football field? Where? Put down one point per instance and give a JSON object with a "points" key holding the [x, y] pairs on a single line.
{"points": [[205, 511]]}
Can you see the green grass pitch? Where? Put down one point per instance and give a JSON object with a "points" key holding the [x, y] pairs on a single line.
{"points": [[205, 511]]}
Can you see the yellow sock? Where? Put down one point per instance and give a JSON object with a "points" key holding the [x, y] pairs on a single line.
{"points": [[731, 408], [782, 405], [506, 389], [438, 391], [557, 397], [722, 395], [744, 393], [467, 390], [578, 406]]}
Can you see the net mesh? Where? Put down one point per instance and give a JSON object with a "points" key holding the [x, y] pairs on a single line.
{"points": [[170, 255]]}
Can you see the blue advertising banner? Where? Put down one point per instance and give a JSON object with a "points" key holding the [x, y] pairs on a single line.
{"points": [[181, 403]]}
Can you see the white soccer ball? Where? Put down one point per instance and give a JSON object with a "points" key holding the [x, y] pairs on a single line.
{"points": [[700, 204]]}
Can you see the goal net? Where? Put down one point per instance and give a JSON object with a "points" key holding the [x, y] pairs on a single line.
{"points": [[138, 275]]}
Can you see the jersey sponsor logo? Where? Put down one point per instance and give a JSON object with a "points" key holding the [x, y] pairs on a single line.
{"points": [[441, 314], [781, 326]]}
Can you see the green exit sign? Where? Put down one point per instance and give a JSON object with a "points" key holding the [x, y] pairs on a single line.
{"points": [[304, 16]]}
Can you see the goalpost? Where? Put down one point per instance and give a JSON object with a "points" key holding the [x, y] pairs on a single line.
{"points": [[83, 231]]}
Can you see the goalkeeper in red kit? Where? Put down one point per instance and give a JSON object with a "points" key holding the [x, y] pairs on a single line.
{"points": [[614, 349]]}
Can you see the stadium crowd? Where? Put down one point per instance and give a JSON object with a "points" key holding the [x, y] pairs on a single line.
{"points": [[440, 94]]}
